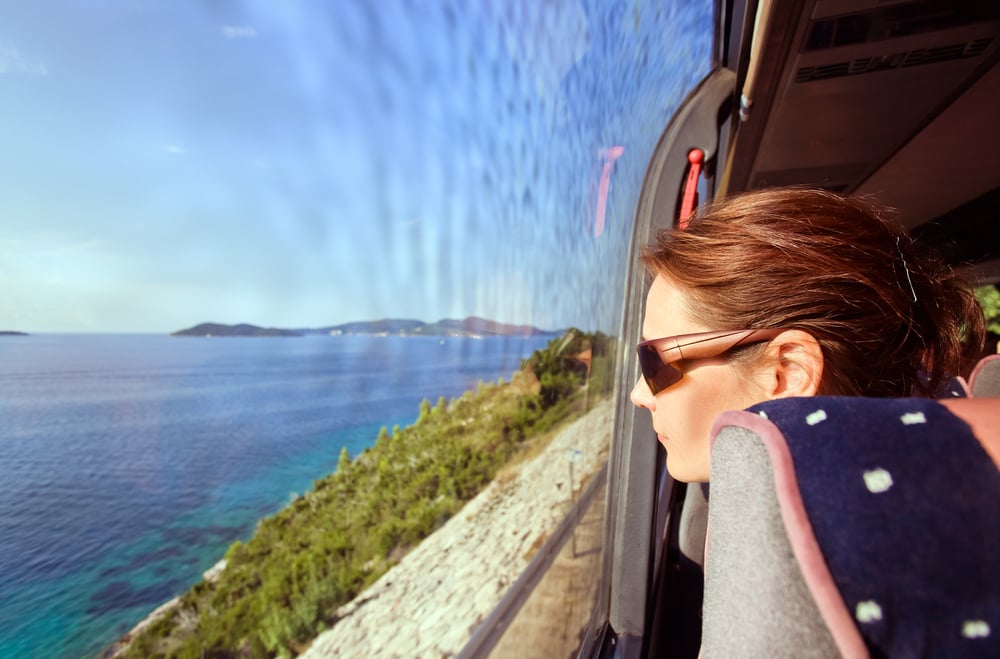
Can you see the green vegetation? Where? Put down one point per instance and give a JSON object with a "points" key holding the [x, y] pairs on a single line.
{"points": [[282, 587], [989, 300]]}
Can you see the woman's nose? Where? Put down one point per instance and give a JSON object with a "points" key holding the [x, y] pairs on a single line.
{"points": [[641, 395]]}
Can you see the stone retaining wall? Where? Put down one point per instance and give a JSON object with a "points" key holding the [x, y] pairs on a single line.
{"points": [[430, 603]]}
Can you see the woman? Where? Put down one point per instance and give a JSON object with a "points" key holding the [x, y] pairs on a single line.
{"points": [[847, 303]]}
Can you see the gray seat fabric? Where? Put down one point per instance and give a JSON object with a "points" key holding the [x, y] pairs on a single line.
{"points": [[985, 379], [757, 603], [694, 523]]}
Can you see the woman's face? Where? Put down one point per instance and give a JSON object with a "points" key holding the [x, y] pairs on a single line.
{"points": [[683, 413]]}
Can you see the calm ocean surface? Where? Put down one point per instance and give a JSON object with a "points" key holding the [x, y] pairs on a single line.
{"points": [[129, 463]]}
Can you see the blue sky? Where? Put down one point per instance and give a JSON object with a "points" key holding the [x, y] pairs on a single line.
{"points": [[299, 164]]}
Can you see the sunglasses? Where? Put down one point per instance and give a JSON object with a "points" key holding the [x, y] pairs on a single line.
{"points": [[657, 357]]}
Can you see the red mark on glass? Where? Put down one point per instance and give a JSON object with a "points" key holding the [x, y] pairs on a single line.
{"points": [[609, 156]]}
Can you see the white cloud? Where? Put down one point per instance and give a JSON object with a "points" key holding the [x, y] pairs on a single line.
{"points": [[13, 62], [238, 32], [173, 149]]}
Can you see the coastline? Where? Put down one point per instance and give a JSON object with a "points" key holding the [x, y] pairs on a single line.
{"points": [[238, 444], [434, 598], [119, 646]]}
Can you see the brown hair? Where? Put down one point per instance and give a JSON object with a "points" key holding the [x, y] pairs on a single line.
{"points": [[891, 319]]}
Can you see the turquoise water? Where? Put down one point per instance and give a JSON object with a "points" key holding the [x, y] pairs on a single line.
{"points": [[131, 462]]}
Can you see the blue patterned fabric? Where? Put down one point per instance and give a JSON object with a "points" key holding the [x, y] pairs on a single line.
{"points": [[905, 506]]}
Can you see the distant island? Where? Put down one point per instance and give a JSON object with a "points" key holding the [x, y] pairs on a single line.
{"points": [[11, 333], [243, 329], [470, 327]]}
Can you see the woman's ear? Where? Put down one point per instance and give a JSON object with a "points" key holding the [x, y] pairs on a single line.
{"points": [[794, 365]]}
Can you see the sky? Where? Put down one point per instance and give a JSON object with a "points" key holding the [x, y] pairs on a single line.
{"points": [[304, 164]]}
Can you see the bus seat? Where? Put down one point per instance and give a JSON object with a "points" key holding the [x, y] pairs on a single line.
{"points": [[693, 524], [854, 527], [985, 378], [955, 387], [756, 602]]}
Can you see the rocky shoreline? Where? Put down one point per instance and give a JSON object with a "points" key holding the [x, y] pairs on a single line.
{"points": [[211, 574]]}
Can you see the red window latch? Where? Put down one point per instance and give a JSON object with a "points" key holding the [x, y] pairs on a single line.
{"points": [[696, 158]]}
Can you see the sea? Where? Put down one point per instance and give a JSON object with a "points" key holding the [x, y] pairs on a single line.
{"points": [[129, 463]]}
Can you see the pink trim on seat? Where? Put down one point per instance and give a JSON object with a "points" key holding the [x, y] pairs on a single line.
{"points": [[800, 534], [983, 417], [964, 385]]}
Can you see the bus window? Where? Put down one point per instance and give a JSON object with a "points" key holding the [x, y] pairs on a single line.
{"points": [[286, 286]]}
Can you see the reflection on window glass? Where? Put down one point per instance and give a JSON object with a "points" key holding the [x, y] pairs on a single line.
{"points": [[286, 285]]}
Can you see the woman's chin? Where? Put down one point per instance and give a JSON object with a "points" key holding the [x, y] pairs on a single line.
{"points": [[685, 472]]}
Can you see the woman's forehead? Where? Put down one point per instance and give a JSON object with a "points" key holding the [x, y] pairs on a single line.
{"points": [[667, 311]]}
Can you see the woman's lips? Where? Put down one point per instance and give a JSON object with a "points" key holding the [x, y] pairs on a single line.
{"points": [[662, 438]]}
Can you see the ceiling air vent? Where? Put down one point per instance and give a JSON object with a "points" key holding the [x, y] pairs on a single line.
{"points": [[895, 21], [916, 57], [977, 47]]}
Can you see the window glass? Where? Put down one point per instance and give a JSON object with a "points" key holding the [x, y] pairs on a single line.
{"points": [[361, 217]]}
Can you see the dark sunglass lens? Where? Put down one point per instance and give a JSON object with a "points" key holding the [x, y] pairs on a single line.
{"points": [[658, 375]]}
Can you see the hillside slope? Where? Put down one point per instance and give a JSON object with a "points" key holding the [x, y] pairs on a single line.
{"points": [[430, 603]]}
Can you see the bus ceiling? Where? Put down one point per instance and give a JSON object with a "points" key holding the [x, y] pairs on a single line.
{"points": [[896, 100]]}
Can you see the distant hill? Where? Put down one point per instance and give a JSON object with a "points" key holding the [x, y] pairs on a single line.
{"points": [[243, 329], [471, 326], [10, 333]]}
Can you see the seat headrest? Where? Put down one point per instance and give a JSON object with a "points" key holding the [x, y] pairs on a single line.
{"points": [[985, 379], [756, 600], [889, 510]]}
